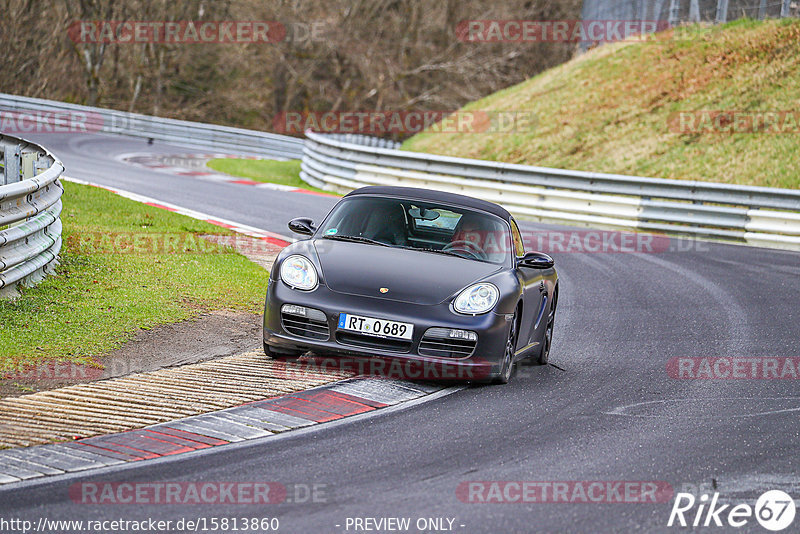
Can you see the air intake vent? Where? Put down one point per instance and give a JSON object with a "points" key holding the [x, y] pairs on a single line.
{"points": [[305, 322], [360, 340], [447, 343]]}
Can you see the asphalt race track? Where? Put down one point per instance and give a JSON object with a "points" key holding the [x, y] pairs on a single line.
{"points": [[94, 158], [609, 411]]}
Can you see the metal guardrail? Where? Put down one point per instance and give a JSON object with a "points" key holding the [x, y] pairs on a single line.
{"points": [[671, 13], [30, 205], [759, 216], [678, 11], [191, 134]]}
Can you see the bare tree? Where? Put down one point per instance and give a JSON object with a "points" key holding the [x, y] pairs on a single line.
{"points": [[358, 55], [92, 53]]}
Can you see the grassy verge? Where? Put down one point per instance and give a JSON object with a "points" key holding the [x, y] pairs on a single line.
{"points": [[264, 170], [124, 266], [613, 109]]}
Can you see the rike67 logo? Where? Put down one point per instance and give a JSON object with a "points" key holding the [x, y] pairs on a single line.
{"points": [[774, 510]]}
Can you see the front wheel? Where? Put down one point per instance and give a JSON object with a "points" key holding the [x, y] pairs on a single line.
{"points": [[508, 355], [282, 355]]}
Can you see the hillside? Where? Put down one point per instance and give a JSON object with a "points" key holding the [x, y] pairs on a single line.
{"points": [[618, 109]]}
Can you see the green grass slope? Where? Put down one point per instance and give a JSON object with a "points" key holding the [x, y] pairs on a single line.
{"points": [[124, 266], [609, 110]]}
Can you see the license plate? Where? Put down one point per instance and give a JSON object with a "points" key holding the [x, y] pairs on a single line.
{"points": [[375, 327]]}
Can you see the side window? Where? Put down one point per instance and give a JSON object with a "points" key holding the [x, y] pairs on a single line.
{"points": [[519, 247]]}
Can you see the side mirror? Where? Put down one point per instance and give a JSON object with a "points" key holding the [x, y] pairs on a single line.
{"points": [[302, 226], [537, 260]]}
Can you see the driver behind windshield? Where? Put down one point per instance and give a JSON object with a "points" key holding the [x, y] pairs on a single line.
{"points": [[386, 223], [481, 234]]}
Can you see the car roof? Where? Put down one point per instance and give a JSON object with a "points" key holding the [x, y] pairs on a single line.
{"points": [[433, 196]]}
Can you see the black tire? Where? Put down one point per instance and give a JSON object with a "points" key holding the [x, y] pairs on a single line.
{"points": [[547, 338], [282, 355], [547, 341], [507, 368]]}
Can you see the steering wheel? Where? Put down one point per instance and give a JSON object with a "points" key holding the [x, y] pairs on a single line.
{"points": [[469, 247]]}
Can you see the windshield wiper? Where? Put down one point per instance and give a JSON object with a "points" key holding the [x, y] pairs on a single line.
{"points": [[355, 239], [436, 251]]}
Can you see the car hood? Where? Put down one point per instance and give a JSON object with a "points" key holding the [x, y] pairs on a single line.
{"points": [[409, 275]]}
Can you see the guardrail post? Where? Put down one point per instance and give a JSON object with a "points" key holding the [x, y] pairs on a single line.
{"points": [[11, 163], [42, 164], [722, 11], [785, 8], [28, 165], [674, 12], [762, 10], [694, 11]]}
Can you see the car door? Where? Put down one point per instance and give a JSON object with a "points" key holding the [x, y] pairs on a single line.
{"points": [[534, 295]]}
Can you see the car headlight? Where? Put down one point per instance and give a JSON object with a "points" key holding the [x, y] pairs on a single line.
{"points": [[477, 299], [299, 273]]}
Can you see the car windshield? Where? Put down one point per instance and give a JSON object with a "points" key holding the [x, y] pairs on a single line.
{"points": [[424, 226]]}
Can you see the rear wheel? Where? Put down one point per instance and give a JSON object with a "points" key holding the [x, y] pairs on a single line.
{"points": [[547, 338], [508, 355], [547, 341]]}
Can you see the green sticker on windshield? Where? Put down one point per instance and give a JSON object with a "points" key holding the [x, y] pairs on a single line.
{"points": [[332, 231]]}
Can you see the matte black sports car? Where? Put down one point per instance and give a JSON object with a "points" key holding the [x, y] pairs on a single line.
{"points": [[435, 280]]}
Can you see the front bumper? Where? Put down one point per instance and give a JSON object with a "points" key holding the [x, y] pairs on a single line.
{"points": [[484, 362]]}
